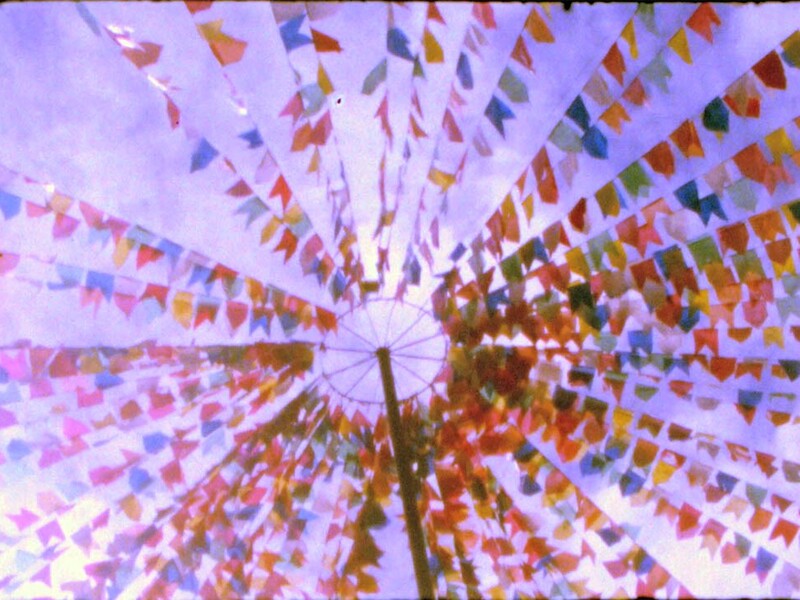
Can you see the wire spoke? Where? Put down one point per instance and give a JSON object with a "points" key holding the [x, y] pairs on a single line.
{"points": [[348, 349], [427, 383], [407, 329], [419, 341], [372, 324], [418, 357], [359, 379], [348, 367], [358, 335], [389, 324]]}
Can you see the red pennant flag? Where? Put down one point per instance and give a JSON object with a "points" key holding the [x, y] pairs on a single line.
{"points": [[205, 312], [521, 54], [281, 188], [702, 20], [147, 254], [288, 244], [635, 93], [173, 113], [146, 54], [195, 6], [294, 107], [239, 190], [322, 130], [236, 313], [545, 179], [484, 13], [451, 128], [770, 71], [614, 63]]}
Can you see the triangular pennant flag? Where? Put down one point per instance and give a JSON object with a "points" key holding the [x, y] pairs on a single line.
{"points": [[680, 45], [324, 43]]}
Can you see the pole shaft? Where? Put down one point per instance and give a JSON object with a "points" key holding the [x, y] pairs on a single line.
{"points": [[403, 460]]}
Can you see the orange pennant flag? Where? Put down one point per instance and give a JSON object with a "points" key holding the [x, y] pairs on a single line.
{"points": [[635, 93], [686, 139], [434, 14], [537, 28], [661, 160], [226, 49], [521, 54], [324, 43]]}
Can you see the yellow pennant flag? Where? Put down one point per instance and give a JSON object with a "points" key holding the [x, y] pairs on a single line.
{"points": [[433, 51], [680, 45], [324, 81], [577, 262], [622, 419], [527, 205], [182, 308], [293, 214], [442, 179], [510, 220], [773, 335], [784, 267], [122, 250], [663, 472], [130, 505], [313, 165], [617, 255], [779, 144], [700, 301], [629, 35], [270, 229]]}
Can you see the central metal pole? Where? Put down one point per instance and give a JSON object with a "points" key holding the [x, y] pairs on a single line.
{"points": [[408, 486]]}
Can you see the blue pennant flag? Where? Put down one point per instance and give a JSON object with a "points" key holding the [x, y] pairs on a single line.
{"points": [[291, 36], [253, 137], [203, 155], [397, 44], [464, 72], [9, 204], [497, 112]]}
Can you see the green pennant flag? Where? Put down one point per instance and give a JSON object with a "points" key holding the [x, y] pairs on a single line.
{"points": [[705, 252], [375, 78], [634, 178], [566, 138], [513, 87], [512, 269]]}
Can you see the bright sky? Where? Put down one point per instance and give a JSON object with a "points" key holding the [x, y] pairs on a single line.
{"points": [[78, 116]]}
